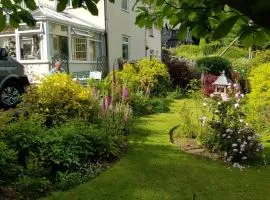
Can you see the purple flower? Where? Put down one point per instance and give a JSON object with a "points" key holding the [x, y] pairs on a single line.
{"points": [[125, 93], [107, 101]]}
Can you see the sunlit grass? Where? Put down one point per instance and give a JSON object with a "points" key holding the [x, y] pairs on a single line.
{"points": [[153, 168]]}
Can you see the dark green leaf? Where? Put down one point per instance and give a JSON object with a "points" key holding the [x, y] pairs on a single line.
{"points": [[92, 7], [2, 22], [61, 5], [225, 27], [31, 4]]}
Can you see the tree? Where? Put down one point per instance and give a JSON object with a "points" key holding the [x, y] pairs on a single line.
{"points": [[212, 19], [11, 11]]}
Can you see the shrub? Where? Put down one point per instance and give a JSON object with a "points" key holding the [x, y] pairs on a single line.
{"points": [[214, 65], [8, 167], [261, 57], [211, 48], [149, 76], [259, 98], [59, 98], [191, 52], [143, 105], [236, 53], [228, 134]]}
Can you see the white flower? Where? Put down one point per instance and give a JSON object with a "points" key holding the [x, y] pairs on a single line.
{"points": [[236, 105], [229, 159], [219, 103], [230, 131], [225, 154], [234, 85], [246, 124], [244, 143], [229, 137], [249, 138], [216, 111], [242, 95], [241, 120], [239, 140], [234, 145], [224, 135], [261, 146], [235, 150], [204, 104], [212, 95], [244, 158]]}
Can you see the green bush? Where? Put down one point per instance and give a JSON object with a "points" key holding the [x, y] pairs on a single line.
{"points": [[149, 76], [214, 65], [236, 53], [211, 48], [259, 98], [260, 57], [8, 167], [190, 52], [144, 105], [32, 155], [228, 134], [59, 98]]}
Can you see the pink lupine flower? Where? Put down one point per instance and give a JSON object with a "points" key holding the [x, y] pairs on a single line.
{"points": [[125, 93], [107, 101]]}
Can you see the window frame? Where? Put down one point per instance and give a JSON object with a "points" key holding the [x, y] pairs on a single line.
{"points": [[125, 43], [127, 8]]}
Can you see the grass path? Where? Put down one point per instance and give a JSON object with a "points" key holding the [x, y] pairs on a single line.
{"points": [[153, 168]]}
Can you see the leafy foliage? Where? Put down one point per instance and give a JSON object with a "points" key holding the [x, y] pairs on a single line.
{"points": [[209, 19], [149, 76], [214, 65], [59, 98], [227, 132], [17, 14], [259, 97]]}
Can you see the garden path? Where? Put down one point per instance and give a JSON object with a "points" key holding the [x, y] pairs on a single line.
{"points": [[153, 168]]}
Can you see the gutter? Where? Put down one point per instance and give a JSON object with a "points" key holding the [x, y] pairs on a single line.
{"points": [[106, 34]]}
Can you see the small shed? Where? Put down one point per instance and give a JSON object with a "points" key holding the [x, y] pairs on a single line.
{"points": [[222, 83]]}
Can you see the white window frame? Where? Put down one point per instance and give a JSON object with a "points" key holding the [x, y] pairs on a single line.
{"points": [[90, 37], [127, 43], [37, 31], [125, 9]]}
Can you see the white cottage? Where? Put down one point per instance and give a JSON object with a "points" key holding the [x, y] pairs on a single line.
{"points": [[89, 42]]}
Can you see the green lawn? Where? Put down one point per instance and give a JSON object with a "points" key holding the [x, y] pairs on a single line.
{"points": [[153, 168]]}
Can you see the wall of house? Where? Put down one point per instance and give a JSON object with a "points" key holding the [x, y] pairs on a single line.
{"points": [[122, 23], [153, 41]]}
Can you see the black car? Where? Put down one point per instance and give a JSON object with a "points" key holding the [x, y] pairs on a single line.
{"points": [[12, 80]]}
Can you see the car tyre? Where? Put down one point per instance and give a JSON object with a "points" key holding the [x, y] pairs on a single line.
{"points": [[10, 94]]}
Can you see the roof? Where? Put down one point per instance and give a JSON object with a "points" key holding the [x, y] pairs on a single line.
{"points": [[222, 80], [66, 17]]}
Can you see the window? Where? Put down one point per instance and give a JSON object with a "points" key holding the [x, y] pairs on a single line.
{"points": [[9, 43], [30, 46], [30, 41], [124, 5], [95, 50], [79, 48], [125, 48], [58, 44], [152, 54], [58, 39]]}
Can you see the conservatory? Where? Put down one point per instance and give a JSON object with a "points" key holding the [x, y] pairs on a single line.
{"points": [[80, 41]]}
